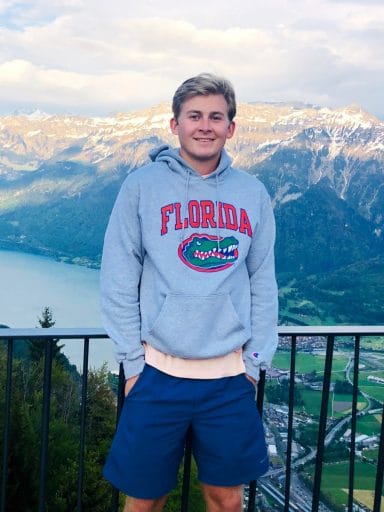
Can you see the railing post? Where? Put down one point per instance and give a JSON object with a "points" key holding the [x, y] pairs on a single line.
{"points": [[48, 353], [380, 469], [287, 490], [186, 472], [120, 402], [83, 414], [259, 404], [322, 423], [353, 422], [7, 425]]}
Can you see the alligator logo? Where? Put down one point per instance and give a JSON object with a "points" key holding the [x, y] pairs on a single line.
{"points": [[208, 253]]}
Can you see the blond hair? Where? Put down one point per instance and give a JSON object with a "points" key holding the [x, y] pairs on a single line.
{"points": [[204, 84]]}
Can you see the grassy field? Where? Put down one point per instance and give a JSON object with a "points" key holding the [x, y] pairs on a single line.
{"points": [[312, 402], [375, 391], [371, 454], [363, 378], [369, 424], [366, 498], [334, 482], [306, 363], [341, 406], [372, 343]]}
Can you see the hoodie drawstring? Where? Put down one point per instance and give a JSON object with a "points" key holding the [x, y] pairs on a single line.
{"points": [[175, 163], [186, 195], [217, 213], [185, 204]]}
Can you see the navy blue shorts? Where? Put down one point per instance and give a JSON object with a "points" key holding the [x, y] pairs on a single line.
{"points": [[228, 441]]}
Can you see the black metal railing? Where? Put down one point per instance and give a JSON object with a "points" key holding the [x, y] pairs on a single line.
{"points": [[293, 334]]}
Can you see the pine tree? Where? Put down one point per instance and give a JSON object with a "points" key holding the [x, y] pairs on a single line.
{"points": [[46, 319], [37, 345]]}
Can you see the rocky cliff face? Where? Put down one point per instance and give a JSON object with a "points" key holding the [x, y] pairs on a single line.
{"points": [[291, 148]]}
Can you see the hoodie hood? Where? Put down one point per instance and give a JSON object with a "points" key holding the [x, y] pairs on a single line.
{"points": [[177, 164]]}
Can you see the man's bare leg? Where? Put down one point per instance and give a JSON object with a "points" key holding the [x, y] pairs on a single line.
{"points": [[223, 499], [138, 505]]}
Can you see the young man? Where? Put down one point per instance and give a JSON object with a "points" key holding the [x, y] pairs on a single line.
{"points": [[190, 300]]}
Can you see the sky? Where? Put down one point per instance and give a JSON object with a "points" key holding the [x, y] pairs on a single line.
{"points": [[97, 57]]}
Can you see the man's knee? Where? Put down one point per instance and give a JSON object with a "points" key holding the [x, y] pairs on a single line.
{"points": [[223, 499], [139, 505]]}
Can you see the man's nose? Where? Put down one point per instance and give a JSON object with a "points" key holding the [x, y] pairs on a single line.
{"points": [[205, 124]]}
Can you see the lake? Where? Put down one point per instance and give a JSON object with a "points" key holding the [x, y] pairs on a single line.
{"points": [[28, 283]]}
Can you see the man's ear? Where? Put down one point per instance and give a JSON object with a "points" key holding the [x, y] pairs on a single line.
{"points": [[231, 129], [174, 125]]}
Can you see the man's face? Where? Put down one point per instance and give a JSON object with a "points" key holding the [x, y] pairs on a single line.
{"points": [[203, 128]]}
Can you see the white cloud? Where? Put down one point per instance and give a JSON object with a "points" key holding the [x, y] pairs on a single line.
{"points": [[96, 56], [76, 90]]}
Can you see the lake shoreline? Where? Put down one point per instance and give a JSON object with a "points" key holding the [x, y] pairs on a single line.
{"points": [[30, 282], [21, 247]]}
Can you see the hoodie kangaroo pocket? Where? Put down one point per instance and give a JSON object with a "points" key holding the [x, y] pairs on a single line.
{"points": [[198, 327]]}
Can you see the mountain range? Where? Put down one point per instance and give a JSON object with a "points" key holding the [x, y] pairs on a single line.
{"points": [[324, 170]]}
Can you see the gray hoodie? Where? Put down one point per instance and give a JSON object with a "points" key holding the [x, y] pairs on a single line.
{"points": [[188, 265]]}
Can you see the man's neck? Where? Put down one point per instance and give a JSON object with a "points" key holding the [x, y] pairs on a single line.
{"points": [[204, 168]]}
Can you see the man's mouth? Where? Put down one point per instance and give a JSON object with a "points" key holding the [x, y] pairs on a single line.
{"points": [[203, 139]]}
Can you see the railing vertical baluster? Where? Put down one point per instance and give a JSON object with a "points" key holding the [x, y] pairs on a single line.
{"points": [[322, 423], [83, 415], [380, 469], [120, 393], [353, 422], [120, 402], [186, 472], [7, 425], [44, 438], [290, 424], [251, 496], [259, 404], [260, 393]]}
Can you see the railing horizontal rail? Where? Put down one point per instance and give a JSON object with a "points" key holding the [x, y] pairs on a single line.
{"points": [[336, 330], [283, 330], [330, 335], [53, 332]]}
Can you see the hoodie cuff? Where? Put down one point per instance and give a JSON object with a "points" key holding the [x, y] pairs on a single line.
{"points": [[252, 370], [132, 368]]}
